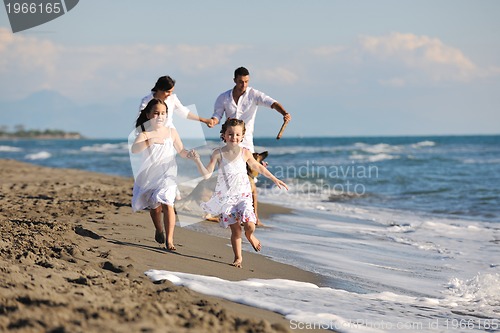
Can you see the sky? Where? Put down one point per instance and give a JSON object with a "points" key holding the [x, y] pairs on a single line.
{"points": [[340, 68]]}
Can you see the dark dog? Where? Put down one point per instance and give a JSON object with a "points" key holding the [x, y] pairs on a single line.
{"points": [[203, 192]]}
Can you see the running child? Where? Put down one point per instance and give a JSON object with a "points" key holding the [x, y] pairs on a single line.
{"points": [[232, 198], [155, 185]]}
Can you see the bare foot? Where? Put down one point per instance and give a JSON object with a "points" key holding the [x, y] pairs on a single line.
{"points": [[211, 218], [171, 247], [255, 243], [159, 236], [237, 264]]}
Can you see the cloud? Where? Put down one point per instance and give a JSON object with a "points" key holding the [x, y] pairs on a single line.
{"points": [[93, 73], [279, 75], [192, 58], [421, 54], [98, 72], [19, 52], [394, 60], [27, 61], [327, 50]]}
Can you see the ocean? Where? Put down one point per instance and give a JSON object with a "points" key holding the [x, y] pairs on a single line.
{"points": [[405, 231]]}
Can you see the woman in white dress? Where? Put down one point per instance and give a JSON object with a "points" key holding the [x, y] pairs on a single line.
{"points": [[155, 183]]}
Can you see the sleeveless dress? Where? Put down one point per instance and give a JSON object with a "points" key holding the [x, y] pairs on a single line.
{"points": [[155, 183], [232, 198]]}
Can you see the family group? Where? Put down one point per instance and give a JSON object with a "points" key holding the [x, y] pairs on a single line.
{"points": [[157, 143]]}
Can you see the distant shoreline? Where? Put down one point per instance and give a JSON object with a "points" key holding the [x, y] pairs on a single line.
{"points": [[43, 135]]}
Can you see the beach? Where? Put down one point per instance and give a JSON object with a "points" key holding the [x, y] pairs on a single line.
{"points": [[73, 257], [374, 234]]}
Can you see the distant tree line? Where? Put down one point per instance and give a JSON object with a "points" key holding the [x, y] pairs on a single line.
{"points": [[20, 132]]}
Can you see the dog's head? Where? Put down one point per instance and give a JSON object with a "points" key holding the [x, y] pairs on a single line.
{"points": [[259, 157]]}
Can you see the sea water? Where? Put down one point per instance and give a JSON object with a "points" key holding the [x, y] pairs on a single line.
{"points": [[405, 232]]}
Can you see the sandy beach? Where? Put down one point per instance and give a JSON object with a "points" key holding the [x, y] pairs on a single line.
{"points": [[73, 257]]}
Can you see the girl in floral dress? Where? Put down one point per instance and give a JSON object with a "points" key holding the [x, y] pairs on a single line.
{"points": [[232, 198]]}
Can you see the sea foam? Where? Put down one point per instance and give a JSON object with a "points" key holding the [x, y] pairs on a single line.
{"points": [[106, 148], [38, 156], [307, 305], [9, 149]]}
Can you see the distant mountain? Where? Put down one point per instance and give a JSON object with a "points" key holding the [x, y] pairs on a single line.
{"points": [[52, 98], [43, 109], [50, 109]]}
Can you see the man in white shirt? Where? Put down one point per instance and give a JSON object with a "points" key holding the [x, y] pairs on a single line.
{"points": [[163, 90], [241, 102]]}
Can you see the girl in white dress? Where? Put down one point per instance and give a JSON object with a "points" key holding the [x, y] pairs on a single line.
{"points": [[155, 185], [232, 198]]}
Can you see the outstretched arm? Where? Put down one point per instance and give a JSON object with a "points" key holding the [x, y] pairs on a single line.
{"points": [[184, 111], [219, 110], [209, 169], [278, 107], [193, 116], [178, 145], [262, 170]]}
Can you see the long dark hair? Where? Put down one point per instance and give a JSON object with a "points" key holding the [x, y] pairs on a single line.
{"points": [[230, 122], [143, 116], [164, 83]]}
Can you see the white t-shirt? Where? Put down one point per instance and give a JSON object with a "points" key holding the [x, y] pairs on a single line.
{"points": [[173, 105], [245, 110]]}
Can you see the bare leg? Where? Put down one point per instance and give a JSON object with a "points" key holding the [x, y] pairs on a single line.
{"points": [[254, 199], [236, 243], [249, 229], [156, 217], [169, 221]]}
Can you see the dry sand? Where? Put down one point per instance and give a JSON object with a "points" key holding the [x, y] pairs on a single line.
{"points": [[73, 257]]}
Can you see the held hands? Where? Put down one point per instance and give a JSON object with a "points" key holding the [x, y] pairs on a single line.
{"points": [[193, 155], [211, 122]]}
